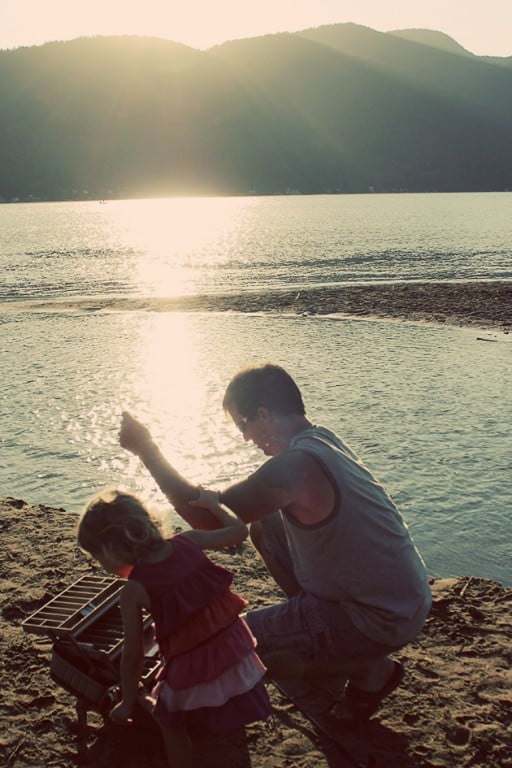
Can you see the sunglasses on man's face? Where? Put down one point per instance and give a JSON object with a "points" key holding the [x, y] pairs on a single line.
{"points": [[242, 424]]}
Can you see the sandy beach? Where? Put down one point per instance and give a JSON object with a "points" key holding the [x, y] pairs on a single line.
{"points": [[481, 304], [453, 709]]}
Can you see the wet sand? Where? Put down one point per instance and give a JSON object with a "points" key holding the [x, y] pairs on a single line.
{"points": [[482, 304], [453, 709]]}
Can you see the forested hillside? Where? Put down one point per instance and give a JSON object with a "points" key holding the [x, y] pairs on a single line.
{"points": [[339, 108]]}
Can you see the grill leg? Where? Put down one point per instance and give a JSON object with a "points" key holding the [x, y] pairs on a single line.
{"points": [[81, 716]]}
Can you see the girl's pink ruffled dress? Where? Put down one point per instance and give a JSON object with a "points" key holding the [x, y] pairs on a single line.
{"points": [[212, 674]]}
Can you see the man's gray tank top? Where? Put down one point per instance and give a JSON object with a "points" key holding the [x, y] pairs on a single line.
{"points": [[362, 555]]}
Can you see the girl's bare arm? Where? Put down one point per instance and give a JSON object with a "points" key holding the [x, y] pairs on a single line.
{"points": [[233, 530], [132, 659]]}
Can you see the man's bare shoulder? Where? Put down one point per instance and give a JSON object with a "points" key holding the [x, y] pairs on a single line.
{"points": [[286, 469], [308, 490], [281, 481]]}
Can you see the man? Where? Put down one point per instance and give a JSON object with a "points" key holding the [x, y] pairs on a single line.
{"points": [[331, 537]]}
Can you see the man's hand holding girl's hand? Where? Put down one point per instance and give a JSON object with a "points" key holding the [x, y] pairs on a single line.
{"points": [[206, 499]]}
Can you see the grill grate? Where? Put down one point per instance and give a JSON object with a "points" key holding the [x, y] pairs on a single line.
{"points": [[76, 607]]}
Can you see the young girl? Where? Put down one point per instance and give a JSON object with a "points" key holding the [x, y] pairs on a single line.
{"points": [[211, 674]]}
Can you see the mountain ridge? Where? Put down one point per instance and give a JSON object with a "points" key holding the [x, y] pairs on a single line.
{"points": [[337, 108]]}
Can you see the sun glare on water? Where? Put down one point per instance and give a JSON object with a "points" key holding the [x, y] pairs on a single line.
{"points": [[175, 240], [175, 391]]}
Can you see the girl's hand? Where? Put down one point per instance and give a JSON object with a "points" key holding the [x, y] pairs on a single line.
{"points": [[207, 499], [232, 529], [121, 714], [133, 435]]}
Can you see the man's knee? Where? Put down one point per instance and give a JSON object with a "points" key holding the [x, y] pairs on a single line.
{"points": [[256, 534], [267, 545], [269, 540]]}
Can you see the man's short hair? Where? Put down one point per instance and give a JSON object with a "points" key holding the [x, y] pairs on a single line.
{"points": [[264, 385]]}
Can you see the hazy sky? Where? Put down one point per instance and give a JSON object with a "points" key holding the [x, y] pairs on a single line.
{"points": [[482, 26]]}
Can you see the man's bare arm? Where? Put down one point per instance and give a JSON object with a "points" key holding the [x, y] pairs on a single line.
{"points": [[292, 480], [277, 484], [136, 438]]}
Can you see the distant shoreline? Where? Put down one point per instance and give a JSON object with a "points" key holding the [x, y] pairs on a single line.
{"points": [[486, 304], [251, 193]]}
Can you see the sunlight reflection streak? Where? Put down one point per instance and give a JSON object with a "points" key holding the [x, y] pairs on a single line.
{"points": [[173, 237]]}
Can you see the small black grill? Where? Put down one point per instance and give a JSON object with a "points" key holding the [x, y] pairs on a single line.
{"points": [[84, 622]]}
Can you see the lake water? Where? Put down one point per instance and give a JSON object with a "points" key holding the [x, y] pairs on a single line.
{"points": [[428, 408], [210, 245]]}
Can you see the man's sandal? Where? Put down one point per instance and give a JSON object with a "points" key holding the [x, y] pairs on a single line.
{"points": [[360, 705]]}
